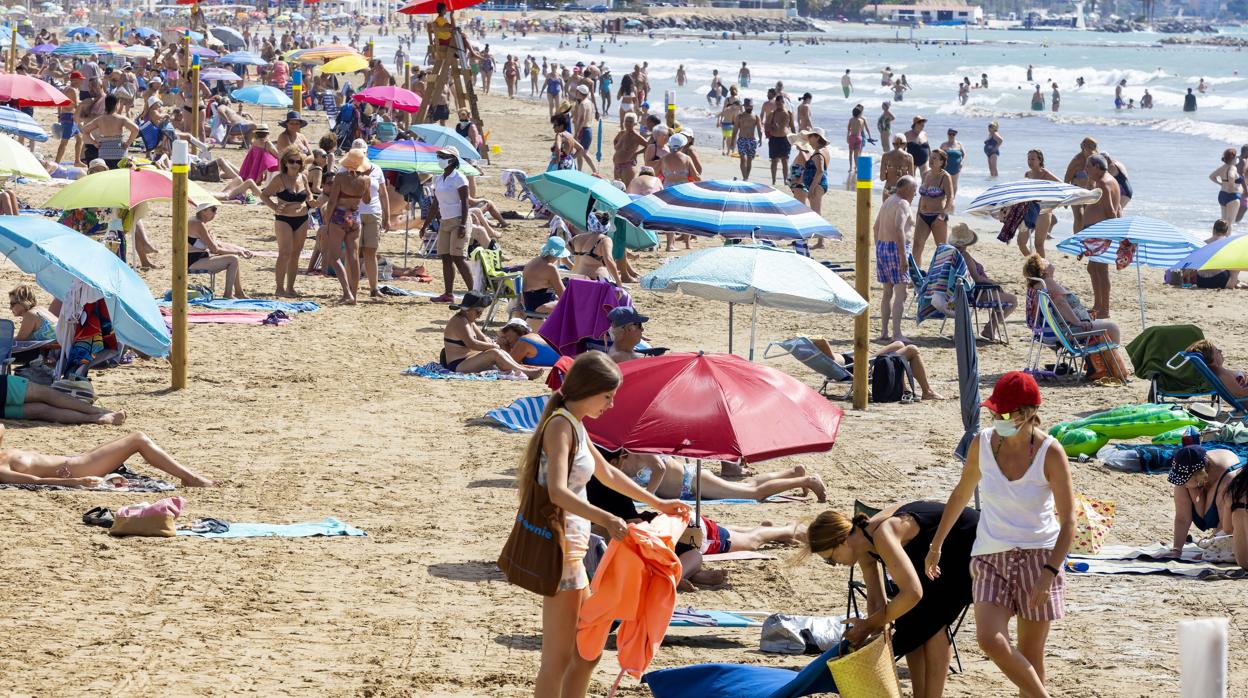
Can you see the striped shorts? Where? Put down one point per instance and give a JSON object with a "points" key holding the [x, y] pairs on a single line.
{"points": [[1006, 579]]}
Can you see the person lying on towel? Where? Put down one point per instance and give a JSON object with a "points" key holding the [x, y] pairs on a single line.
{"points": [[88, 469], [673, 477], [526, 346]]}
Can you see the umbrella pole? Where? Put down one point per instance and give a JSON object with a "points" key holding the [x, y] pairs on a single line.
{"points": [[753, 327], [407, 229], [730, 328], [697, 498], [1139, 285]]}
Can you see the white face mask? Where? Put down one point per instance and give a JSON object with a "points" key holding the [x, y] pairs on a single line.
{"points": [[1005, 428], [444, 163]]}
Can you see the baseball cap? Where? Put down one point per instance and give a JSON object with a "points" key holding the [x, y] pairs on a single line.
{"points": [[582, 89], [1187, 461], [624, 315], [555, 247], [1012, 391]]}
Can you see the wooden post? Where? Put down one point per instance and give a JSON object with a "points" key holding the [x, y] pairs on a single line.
{"points": [[862, 281], [195, 114], [178, 357], [296, 90]]}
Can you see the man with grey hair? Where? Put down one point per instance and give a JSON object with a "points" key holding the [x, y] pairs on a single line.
{"points": [[894, 232], [1109, 206]]}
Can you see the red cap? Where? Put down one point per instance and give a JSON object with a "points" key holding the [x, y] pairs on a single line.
{"points": [[1012, 391], [75, 75]]}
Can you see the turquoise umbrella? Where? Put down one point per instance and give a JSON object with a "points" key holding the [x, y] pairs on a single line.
{"points": [[434, 134], [262, 95], [573, 195]]}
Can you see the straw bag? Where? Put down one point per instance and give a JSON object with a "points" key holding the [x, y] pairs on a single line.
{"points": [[868, 672], [532, 557], [1093, 519], [155, 526]]}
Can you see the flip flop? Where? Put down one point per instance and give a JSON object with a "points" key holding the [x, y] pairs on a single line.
{"points": [[99, 516]]}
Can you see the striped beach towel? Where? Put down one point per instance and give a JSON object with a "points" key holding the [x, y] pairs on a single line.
{"points": [[521, 415], [436, 371]]}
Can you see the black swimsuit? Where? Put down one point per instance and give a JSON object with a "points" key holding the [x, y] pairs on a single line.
{"points": [[193, 255], [295, 222], [451, 365]]}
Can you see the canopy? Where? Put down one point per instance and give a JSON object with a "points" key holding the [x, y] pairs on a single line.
{"points": [[1227, 253], [229, 36], [715, 406], [19, 123], [262, 95], [1048, 194], [77, 48], [144, 32], [345, 64], [429, 7], [572, 194], [241, 58], [30, 92], [389, 96], [410, 156], [57, 255], [136, 51], [317, 53], [434, 134], [211, 74], [731, 208], [124, 189], [82, 31], [203, 52]]}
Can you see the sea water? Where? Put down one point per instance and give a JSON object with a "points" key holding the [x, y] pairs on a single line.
{"points": [[1168, 153]]}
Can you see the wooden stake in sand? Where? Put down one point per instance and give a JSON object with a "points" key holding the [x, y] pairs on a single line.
{"points": [[178, 357], [862, 281]]}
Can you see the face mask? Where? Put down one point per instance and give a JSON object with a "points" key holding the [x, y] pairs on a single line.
{"points": [[444, 163], [1005, 428]]}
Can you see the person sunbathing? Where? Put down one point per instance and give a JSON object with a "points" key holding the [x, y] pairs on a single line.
{"points": [[909, 352], [526, 346], [1039, 273], [1202, 482], [466, 349], [672, 478], [35, 402], [38, 325], [88, 469], [1234, 381]]}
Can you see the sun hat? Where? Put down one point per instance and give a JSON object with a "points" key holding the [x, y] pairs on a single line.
{"points": [[962, 236], [449, 150], [359, 144], [625, 315], [292, 116], [816, 131], [260, 128], [98, 162], [555, 247], [205, 206], [472, 300], [1187, 461], [799, 141], [1012, 391], [917, 119], [355, 160], [677, 141], [582, 90], [519, 324]]}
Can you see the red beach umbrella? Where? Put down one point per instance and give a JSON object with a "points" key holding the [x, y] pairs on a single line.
{"points": [[389, 96], [430, 7], [717, 407], [30, 92]]}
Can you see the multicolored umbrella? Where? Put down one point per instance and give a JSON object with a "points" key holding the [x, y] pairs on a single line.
{"points": [[30, 92], [317, 53], [728, 208], [1228, 253], [77, 48], [20, 123], [203, 52], [136, 51], [124, 189], [16, 160], [434, 134], [262, 95], [411, 156], [389, 96], [211, 74], [345, 64]]}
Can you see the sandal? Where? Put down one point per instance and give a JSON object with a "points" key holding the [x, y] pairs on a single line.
{"points": [[99, 516]]}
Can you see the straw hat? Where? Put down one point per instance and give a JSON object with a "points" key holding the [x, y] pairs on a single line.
{"points": [[962, 236], [449, 151], [799, 141], [355, 161], [918, 119], [818, 133]]}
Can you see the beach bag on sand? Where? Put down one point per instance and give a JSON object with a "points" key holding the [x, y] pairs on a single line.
{"points": [[891, 379], [532, 557], [868, 671], [1093, 519], [1217, 548], [1107, 364]]}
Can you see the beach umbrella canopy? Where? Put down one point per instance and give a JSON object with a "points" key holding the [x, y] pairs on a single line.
{"points": [[296, 17], [58, 255], [756, 275], [429, 7], [411, 156], [573, 195], [262, 95], [317, 53], [967, 355], [434, 134], [17, 10], [203, 52], [1227, 253], [1157, 244], [16, 160], [242, 58], [19, 123], [715, 406], [229, 36], [1048, 194], [144, 32], [211, 74], [124, 189], [22, 43], [43, 48], [82, 31], [195, 36], [345, 64], [389, 96], [729, 208], [30, 92], [77, 48], [135, 51]]}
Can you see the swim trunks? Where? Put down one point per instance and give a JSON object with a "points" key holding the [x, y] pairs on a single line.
{"points": [[748, 147], [778, 147], [585, 137], [888, 263]]}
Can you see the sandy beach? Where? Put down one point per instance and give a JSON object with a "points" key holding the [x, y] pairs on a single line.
{"points": [[314, 419]]}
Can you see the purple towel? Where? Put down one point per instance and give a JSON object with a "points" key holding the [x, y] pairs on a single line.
{"points": [[582, 314]]}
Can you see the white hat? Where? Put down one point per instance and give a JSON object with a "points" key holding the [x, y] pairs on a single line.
{"points": [[359, 144], [677, 141], [205, 206], [582, 90], [153, 100]]}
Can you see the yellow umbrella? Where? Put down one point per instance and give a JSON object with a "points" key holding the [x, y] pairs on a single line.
{"points": [[16, 160], [345, 64]]}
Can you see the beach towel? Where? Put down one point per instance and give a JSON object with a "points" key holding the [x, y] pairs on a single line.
{"points": [[134, 483], [329, 527], [246, 304], [223, 318], [436, 371], [942, 274], [773, 499], [743, 681], [693, 618], [1124, 559], [521, 415], [581, 313], [1155, 458], [388, 290], [737, 555]]}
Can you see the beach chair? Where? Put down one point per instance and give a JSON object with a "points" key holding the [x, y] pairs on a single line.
{"points": [[212, 278], [988, 297], [1042, 338], [1074, 347], [918, 279], [805, 351], [7, 332], [498, 283], [858, 590], [1238, 407], [1150, 353]]}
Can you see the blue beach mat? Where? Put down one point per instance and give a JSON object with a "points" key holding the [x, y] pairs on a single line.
{"points": [[248, 304], [695, 618], [329, 527], [743, 681], [436, 371]]}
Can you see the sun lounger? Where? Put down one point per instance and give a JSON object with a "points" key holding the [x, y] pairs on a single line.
{"points": [[805, 351], [1237, 406]]}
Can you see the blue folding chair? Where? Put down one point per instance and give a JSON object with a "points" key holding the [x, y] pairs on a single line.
{"points": [[1237, 406], [805, 351], [7, 332]]}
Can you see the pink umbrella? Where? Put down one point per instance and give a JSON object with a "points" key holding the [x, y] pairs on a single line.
{"points": [[390, 96]]}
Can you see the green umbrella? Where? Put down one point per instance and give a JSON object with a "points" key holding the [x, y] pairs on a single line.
{"points": [[573, 195]]}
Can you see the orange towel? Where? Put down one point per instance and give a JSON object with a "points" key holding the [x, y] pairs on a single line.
{"points": [[636, 584]]}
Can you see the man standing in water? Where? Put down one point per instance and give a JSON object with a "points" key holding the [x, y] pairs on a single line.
{"points": [[1110, 206], [743, 75], [1189, 101], [1056, 100], [779, 124], [747, 131], [846, 85]]}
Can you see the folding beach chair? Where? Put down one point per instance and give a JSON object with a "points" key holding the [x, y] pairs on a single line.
{"points": [[988, 297], [7, 332], [918, 279], [1042, 338], [1150, 353], [858, 590], [498, 283], [1075, 347], [1238, 407], [805, 351]]}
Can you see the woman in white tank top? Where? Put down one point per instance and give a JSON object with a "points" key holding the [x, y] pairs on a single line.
{"points": [[1025, 528]]}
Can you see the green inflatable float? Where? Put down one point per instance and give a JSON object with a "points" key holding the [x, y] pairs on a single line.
{"points": [[1088, 435]]}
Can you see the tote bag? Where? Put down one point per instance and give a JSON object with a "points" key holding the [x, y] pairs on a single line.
{"points": [[1093, 519], [867, 672]]}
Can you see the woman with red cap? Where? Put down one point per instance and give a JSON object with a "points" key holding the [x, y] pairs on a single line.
{"points": [[1026, 524]]}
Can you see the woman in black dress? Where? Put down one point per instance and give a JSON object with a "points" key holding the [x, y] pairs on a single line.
{"points": [[899, 537]]}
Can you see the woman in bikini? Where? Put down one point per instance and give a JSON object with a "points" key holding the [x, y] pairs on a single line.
{"points": [[935, 205], [1034, 219], [1228, 179], [856, 132], [566, 151], [629, 143], [350, 187], [287, 194], [1202, 479], [591, 255], [628, 101], [466, 349], [894, 165], [205, 253], [674, 478], [676, 167], [88, 469]]}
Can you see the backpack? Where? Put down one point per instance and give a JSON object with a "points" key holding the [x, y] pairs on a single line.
{"points": [[891, 379]]}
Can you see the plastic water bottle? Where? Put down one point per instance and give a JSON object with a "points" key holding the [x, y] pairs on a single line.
{"points": [[1191, 436]]}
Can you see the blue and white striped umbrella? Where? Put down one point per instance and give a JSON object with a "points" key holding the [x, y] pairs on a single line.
{"points": [[730, 208], [78, 48], [242, 58], [1048, 194], [19, 123], [1158, 244]]}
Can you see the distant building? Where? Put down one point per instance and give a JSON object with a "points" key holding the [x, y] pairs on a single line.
{"points": [[930, 14]]}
